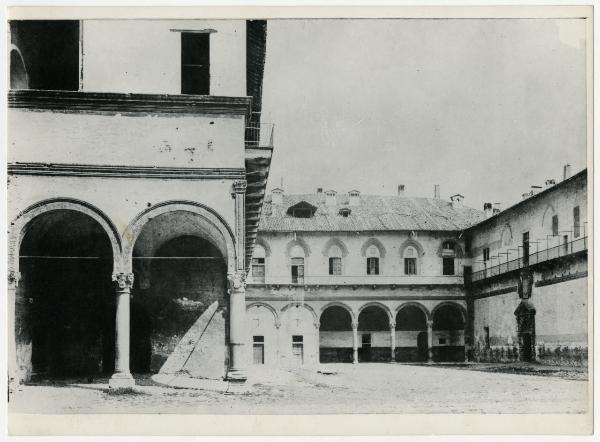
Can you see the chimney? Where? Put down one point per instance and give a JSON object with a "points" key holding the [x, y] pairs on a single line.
{"points": [[487, 210], [456, 200], [436, 191], [319, 190], [354, 197], [550, 183], [567, 171], [496, 209], [400, 189], [277, 196], [330, 198]]}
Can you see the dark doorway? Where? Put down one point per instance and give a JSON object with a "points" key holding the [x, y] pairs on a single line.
{"points": [[448, 325], [140, 350], [525, 315], [68, 312], [335, 335], [422, 346]]}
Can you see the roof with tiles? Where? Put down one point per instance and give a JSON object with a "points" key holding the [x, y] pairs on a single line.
{"points": [[371, 213]]}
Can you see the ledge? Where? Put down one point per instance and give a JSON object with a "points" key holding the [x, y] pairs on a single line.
{"points": [[114, 103]]}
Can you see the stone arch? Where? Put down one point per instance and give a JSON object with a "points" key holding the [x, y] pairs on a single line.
{"points": [[411, 243], [414, 304], [335, 242], [265, 245], [338, 304], [459, 307], [297, 242], [377, 304], [458, 252], [19, 78], [373, 242], [20, 225], [307, 307], [506, 237], [549, 212], [211, 219], [268, 307]]}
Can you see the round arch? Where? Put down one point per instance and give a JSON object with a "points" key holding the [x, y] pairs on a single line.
{"points": [[460, 308], [207, 215], [306, 306], [421, 307], [506, 236], [384, 307], [411, 243], [457, 249], [268, 307], [20, 225], [335, 242], [338, 304], [297, 242], [265, 245], [373, 242], [549, 211], [19, 79]]}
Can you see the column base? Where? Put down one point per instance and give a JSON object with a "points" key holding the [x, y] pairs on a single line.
{"points": [[121, 383], [236, 375]]}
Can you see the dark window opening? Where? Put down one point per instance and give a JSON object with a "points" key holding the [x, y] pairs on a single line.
{"points": [[442, 341], [576, 221], [335, 266], [50, 51], [525, 248], [301, 213], [372, 266], [410, 266], [195, 63], [297, 270], [448, 266], [486, 254], [486, 330], [258, 350], [555, 225], [366, 340], [345, 212], [258, 269]]}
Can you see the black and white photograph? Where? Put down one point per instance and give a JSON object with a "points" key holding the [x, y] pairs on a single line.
{"points": [[271, 213]]}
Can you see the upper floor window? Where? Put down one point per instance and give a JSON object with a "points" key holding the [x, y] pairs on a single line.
{"points": [[335, 260], [372, 260], [576, 221], [297, 265], [410, 261], [486, 254], [448, 255], [345, 212], [555, 225], [195, 63], [258, 264]]}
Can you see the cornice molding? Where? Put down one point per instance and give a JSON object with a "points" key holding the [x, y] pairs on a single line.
{"points": [[110, 171], [114, 103]]}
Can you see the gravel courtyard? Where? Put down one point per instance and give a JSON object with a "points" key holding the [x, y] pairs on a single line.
{"points": [[331, 388]]}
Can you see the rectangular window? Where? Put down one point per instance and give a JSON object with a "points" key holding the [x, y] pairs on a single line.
{"points": [[565, 244], [576, 221], [258, 269], [297, 270], [298, 349], [195, 63], [335, 266], [555, 225], [442, 341], [448, 266], [410, 266], [486, 330], [258, 350], [525, 248], [372, 266], [486, 254], [366, 340]]}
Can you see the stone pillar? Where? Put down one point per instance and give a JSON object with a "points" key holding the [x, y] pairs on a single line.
{"points": [[239, 188], [429, 341], [318, 349], [122, 379], [393, 341], [14, 377], [355, 342], [237, 331]]}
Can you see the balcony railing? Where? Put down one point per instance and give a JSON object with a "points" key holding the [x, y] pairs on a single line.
{"points": [[349, 280], [260, 136], [565, 249]]}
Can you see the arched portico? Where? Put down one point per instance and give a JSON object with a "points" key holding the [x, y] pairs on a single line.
{"points": [[413, 329], [449, 321], [336, 333], [376, 333]]}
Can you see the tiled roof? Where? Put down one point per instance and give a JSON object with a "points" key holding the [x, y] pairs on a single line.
{"points": [[373, 213]]}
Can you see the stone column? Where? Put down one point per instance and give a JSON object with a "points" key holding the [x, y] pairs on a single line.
{"points": [[14, 378], [237, 314], [355, 342], [239, 188], [122, 379], [318, 349], [393, 341], [429, 341]]}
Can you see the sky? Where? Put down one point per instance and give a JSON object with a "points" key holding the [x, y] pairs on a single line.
{"points": [[484, 108]]}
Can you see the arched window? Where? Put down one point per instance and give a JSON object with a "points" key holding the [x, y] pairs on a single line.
{"points": [[258, 264], [297, 264], [335, 260], [448, 255], [410, 260], [372, 254]]}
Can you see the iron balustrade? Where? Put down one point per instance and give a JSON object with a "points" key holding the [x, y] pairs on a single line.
{"points": [[564, 249], [260, 135]]}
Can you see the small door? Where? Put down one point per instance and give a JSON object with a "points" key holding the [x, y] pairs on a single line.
{"points": [[258, 350], [298, 349], [527, 347], [366, 347], [422, 346]]}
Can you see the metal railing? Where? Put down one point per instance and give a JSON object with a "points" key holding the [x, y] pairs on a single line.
{"points": [[564, 249], [260, 135]]}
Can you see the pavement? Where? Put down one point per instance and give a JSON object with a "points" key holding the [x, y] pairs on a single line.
{"points": [[325, 389]]}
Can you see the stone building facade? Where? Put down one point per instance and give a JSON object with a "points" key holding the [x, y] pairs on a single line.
{"points": [[137, 166]]}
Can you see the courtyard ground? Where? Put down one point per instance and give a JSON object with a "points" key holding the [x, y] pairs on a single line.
{"points": [[331, 388]]}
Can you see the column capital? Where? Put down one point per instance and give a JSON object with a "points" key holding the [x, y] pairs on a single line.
{"points": [[430, 323], [317, 325], [354, 325], [237, 281], [239, 186], [392, 325], [123, 280], [13, 279]]}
